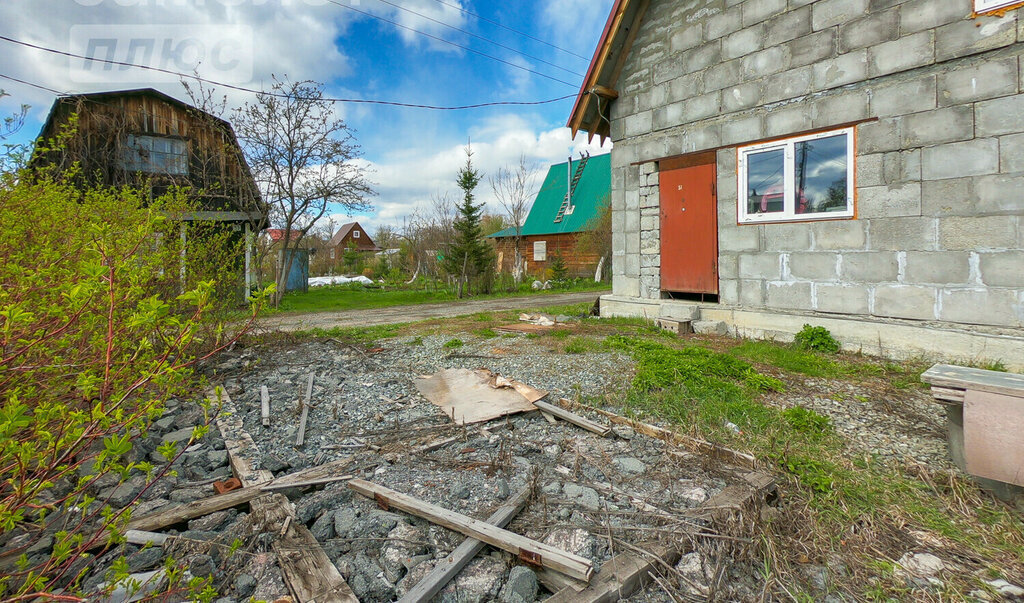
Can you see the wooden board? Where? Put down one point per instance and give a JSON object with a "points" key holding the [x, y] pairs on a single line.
{"points": [[467, 396], [993, 446], [198, 508], [538, 552], [575, 419], [728, 455], [450, 566], [981, 380], [265, 405]]}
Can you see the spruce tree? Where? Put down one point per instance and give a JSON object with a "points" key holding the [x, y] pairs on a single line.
{"points": [[470, 257]]}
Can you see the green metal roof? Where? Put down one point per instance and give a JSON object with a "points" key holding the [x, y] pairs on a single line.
{"points": [[592, 192]]}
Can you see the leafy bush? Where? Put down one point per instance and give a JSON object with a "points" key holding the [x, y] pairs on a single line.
{"points": [[807, 421], [97, 331], [817, 339], [453, 343]]}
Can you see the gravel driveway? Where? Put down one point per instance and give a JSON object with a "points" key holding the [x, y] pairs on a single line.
{"points": [[399, 314]]}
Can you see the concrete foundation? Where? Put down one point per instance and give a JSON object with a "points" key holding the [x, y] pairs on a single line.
{"points": [[898, 340]]}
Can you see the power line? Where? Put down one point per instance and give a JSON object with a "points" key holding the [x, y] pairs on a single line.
{"points": [[479, 37], [39, 86], [273, 94], [442, 40], [515, 31]]}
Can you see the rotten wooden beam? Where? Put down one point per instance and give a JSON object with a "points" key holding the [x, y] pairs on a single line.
{"points": [[571, 417], [450, 566], [620, 577], [698, 445], [530, 551], [300, 439], [265, 405]]}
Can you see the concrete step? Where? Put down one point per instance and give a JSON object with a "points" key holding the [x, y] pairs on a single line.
{"points": [[677, 310]]}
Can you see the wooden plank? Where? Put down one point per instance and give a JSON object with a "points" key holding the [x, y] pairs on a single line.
{"points": [[265, 405], [307, 477], [980, 380], [142, 538], [689, 442], [619, 578], [450, 566], [540, 553], [575, 419], [300, 439], [197, 508], [948, 394]]}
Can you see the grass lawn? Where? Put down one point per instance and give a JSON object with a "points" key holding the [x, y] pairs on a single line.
{"points": [[358, 297], [838, 507]]}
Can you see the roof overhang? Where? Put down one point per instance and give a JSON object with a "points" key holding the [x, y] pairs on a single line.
{"points": [[592, 109]]}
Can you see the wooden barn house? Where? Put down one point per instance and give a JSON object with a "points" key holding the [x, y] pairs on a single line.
{"points": [[148, 139], [557, 220], [350, 234]]}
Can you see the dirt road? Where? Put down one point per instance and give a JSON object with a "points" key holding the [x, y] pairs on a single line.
{"points": [[399, 314]]}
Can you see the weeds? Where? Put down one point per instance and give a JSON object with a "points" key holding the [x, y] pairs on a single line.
{"points": [[453, 343], [817, 339]]}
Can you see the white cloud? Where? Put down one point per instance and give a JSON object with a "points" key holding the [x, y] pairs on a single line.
{"points": [[407, 182]]}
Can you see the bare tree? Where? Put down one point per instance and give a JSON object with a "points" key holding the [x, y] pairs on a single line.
{"points": [[515, 187], [302, 156]]}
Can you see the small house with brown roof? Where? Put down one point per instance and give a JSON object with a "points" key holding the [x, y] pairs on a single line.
{"points": [[350, 234]]}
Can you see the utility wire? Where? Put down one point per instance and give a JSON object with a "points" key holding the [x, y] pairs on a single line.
{"points": [[439, 39], [39, 86], [479, 37], [273, 94], [515, 31]]}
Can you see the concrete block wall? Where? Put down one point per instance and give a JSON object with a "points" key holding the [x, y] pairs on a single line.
{"points": [[939, 231]]}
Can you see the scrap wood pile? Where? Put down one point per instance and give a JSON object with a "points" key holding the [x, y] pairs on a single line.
{"points": [[362, 478]]}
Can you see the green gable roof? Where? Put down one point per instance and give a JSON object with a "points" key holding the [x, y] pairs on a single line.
{"points": [[592, 192]]}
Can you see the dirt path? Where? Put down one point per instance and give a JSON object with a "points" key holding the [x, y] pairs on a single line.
{"points": [[399, 314]]}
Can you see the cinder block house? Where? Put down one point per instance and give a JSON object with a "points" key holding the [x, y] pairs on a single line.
{"points": [[857, 164], [557, 221]]}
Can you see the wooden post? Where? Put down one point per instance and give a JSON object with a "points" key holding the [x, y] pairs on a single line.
{"points": [[449, 567], [265, 403]]}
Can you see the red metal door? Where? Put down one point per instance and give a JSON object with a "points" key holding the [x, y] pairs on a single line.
{"points": [[689, 229]]}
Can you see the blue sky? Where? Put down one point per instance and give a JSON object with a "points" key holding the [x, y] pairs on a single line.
{"points": [[412, 153]]}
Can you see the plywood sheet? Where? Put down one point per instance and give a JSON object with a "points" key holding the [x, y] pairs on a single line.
{"points": [[476, 396], [993, 444]]}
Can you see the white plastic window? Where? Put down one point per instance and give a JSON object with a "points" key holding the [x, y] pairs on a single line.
{"points": [[540, 251], [355, 234], [801, 178], [981, 6]]}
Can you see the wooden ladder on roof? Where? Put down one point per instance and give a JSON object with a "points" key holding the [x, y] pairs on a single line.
{"points": [[572, 186]]}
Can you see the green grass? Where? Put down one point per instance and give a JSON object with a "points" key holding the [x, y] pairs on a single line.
{"points": [[581, 345], [486, 333], [453, 343], [363, 335], [834, 489], [358, 297]]}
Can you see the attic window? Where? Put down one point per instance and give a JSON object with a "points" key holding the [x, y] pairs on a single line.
{"points": [[981, 6], [802, 178], [355, 234], [155, 155]]}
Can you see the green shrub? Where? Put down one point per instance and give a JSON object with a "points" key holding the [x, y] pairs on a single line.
{"points": [[817, 339], [806, 420], [453, 343], [97, 331]]}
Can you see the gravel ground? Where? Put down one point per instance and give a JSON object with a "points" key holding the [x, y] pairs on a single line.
{"points": [[592, 496], [895, 426]]}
